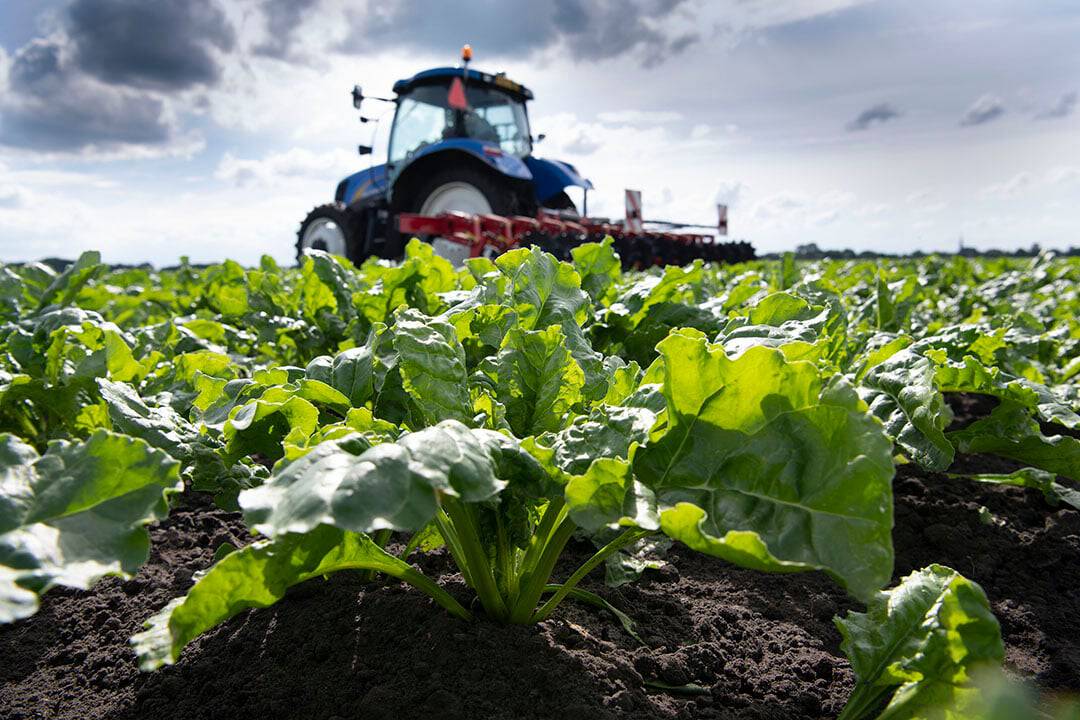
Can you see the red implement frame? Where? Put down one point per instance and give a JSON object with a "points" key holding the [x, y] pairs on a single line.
{"points": [[490, 235]]}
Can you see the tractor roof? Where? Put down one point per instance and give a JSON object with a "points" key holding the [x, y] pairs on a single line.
{"points": [[441, 74]]}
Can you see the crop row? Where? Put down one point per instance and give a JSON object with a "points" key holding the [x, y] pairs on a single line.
{"points": [[754, 414]]}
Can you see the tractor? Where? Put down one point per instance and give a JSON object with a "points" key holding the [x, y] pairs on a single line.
{"points": [[461, 174]]}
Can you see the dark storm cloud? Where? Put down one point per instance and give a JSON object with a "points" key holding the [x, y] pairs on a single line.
{"points": [[160, 44], [874, 115], [102, 81], [52, 107], [282, 19], [1062, 108], [986, 109], [589, 30]]}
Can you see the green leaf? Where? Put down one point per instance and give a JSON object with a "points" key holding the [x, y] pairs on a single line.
{"points": [[599, 267], [1011, 432], [607, 432], [920, 642], [760, 464], [76, 514], [258, 576], [538, 380], [390, 486], [544, 292], [260, 426], [1041, 480], [432, 366], [66, 285], [902, 392], [973, 376], [607, 495]]}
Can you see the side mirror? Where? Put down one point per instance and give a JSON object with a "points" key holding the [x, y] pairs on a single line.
{"points": [[357, 96], [363, 149]]}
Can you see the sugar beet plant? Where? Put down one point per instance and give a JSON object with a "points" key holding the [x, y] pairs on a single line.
{"points": [[752, 413], [756, 459]]}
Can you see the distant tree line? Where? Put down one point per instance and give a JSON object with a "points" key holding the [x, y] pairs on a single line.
{"points": [[810, 251]]}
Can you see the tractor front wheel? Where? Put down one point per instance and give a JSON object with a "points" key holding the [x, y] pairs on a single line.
{"points": [[332, 228]]}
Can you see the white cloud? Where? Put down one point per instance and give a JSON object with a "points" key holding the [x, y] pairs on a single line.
{"points": [[11, 197], [1013, 187], [278, 169], [639, 117]]}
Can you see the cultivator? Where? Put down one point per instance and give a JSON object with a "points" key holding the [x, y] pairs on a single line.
{"points": [[640, 244]]}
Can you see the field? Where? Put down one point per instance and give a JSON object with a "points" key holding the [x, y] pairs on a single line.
{"points": [[537, 489]]}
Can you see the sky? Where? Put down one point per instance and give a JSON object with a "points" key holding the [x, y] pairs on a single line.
{"points": [[151, 129]]}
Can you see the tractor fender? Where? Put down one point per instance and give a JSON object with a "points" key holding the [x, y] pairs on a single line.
{"points": [[364, 185], [551, 176], [488, 153]]}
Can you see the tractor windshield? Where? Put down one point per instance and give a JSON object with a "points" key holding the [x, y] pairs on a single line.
{"points": [[424, 117]]}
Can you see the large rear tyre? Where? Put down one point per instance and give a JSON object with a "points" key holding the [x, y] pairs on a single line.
{"points": [[332, 228], [461, 188]]}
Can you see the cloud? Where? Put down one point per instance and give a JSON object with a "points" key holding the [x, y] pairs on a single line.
{"points": [[986, 109], [283, 18], [104, 83], [585, 29], [582, 144], [277, 169], [638, 117], [158, 44], [1062, 107], [729, 193], [11, 197], [51, 106], [874, 115], [1016, 185]]}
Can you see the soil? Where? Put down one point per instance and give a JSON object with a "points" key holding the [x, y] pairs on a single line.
{"points": [[748, 645]]}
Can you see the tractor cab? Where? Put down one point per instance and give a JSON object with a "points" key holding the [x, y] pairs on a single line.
{"points": [[460, 141], [441, 105]]}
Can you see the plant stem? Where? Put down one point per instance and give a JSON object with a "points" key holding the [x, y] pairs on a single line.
{"points": [[449, 536], [553, 515], [593, 599], [630, 536], [414, 542], [533, 587], [428, 586], [380, 539], [863, 699], [476, 558]]}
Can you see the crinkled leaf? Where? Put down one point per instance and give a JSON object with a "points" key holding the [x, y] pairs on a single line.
{"points": [[599, 267], [76, 513], [759, 464], [543, 292], [902, 393], [607, 495], [923, 639], [538, 380], [973, 376], [1011, 432], [389, 486], [431, 362], [607, 432]]}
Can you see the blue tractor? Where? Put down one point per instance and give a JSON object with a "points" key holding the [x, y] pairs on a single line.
{"points": [[460, 141]]}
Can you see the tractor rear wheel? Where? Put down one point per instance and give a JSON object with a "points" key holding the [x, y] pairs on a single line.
{"points": [[332, 228], [462, 188]]}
